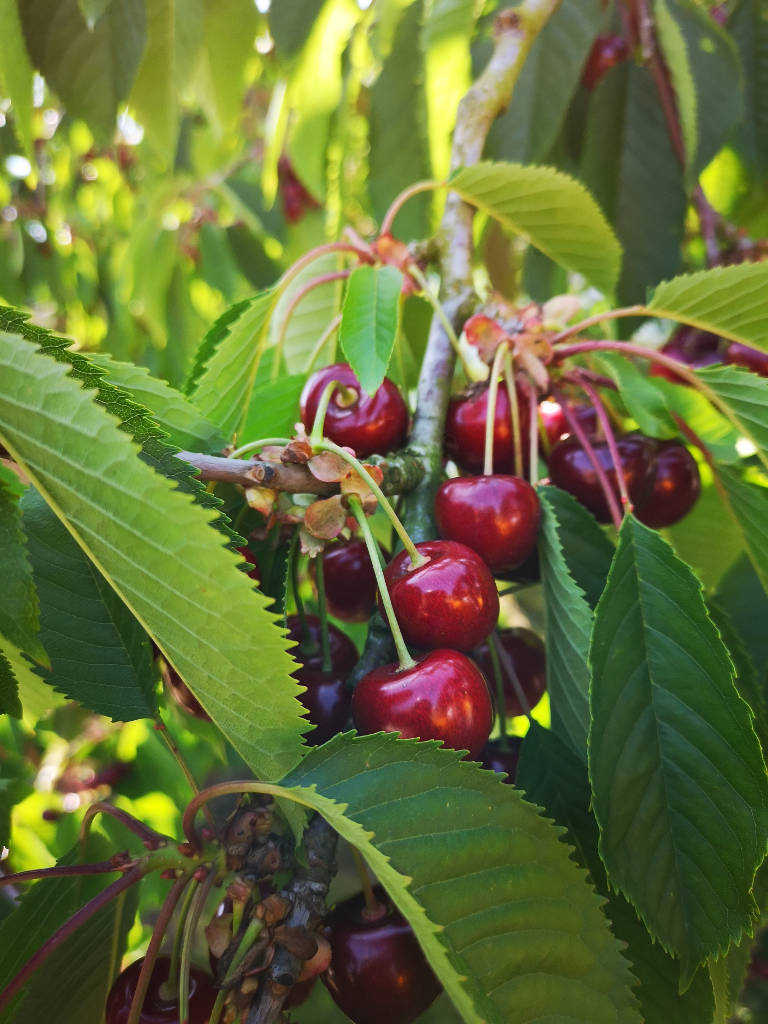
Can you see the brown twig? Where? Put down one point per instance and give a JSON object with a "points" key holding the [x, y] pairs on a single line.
{"points": [[104, 867]]}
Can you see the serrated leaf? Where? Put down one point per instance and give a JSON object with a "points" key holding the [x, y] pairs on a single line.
{"points": [[748, 26], [569, 614], [742, 595], [702, 417], [473, 894], [639, 393], [18, 598], [553, 211], [742, 397], [370, 320], [214, 336], [100, 655], [274, 407], [174, 36], [629, 164], [91, 69], [37, 699], [730, 301], [751, 690], [157, 550], [16, 73], [309, 317], [9, 690], [678, 779], [746, 499]]}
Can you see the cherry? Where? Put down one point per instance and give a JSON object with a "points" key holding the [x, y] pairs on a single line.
{"points": [[496, 516], [501, 757], [378, 973], [607, 51], [527, 654], [248, 555], [350, 584], [326, 698], [295, 198], [157, 1010], [367, 424], [343, 651], [751, 358], [676, 486], [571, 470], [465, 429], [556, 425], [444, 696], [451, 600], [691, 346]]}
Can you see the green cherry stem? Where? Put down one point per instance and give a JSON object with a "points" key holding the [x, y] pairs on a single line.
{"points": [[293, 556], [250, 935], [499, 683], [190, 926], [399, 202], [490, 412], [514, 409], [417, 559], [261, 443], [170, 986], [418, 275], [322, 608], [322, 408], [403, 654]]}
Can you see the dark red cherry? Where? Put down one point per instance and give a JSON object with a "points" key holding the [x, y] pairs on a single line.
{"points": [[378, 973], [327, 699], [751, 358], [527, 658], [502, 757], [444, 696], [691, 346], [450, 601], [607, 51], [254, 572], [157, 1010], [496, 516], [343, 652], [676, 486], [465, 429], [296, 200], [571, 470], [556, 425], [350, 584], [368, 424]]}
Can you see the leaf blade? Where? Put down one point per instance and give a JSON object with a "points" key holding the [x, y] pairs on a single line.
{"points": [[370, 320]]}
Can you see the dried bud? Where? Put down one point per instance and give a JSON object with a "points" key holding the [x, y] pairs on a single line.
{"points": [[326, 518], [273, 908], [308, 544], [485, 335], [302, 943], [299, 451], [261, 499], [353, 483], [328, 467], [218, 935], [320, 962]]}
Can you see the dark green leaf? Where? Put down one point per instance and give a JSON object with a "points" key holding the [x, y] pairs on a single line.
{"points": [[749, 27], [746, 498], [9, 689], [18, 599], [678, 778], [370, 321], [291, 23], [749, 686], [741, 594]]}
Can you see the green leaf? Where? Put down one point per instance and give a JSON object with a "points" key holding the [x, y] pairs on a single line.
{"points": [[224, 386], [309, 317], [528, 128], [18, 598], [9, 690], [290, 24], [730, 301], [567, 528], [100, 655], [629, 164], [746, 498], [174, 36], [155, 547], [16, 73], [37, 698], [91, 69], [702, 417], [505, 917], [553, 211], [742, 397], [370, 321], [741, 594], [678, 779], [224, 59], [218, 331], [748, 26], [643, 400], [274, 407]]}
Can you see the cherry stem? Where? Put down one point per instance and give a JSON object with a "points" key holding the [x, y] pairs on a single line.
{"points": [[190, 926], [177, 755], [169, 988], [320, 343], [490, 411], [403, 654], [306, 643], [607, 428], [417, 559], [70, 926], [322, 408], [399, 202], [252, 932], [533, 430], [316, 282], [322, 608], [514, 411], [262, 442], [373, 908], [316, 253], [150, 957], [509, 667], [104, 867], [602, 477], [151, 839], [238, 786], [418, 275], [598, 318], [499, 684]]}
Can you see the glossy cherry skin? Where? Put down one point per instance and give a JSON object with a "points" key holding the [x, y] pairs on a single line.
{"points": [[444, 696], [350, 585], [527, 655], [465, 429], [556, 425], [607, 51], [343, 652], [571, 470], [502, 759], [497, 516], [750, 358], [378, 974], [676, 486], [370, 424], [691, 346], [327, 699], [450, 601], [157, 1010]]}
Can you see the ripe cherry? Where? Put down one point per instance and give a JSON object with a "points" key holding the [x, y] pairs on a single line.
{"points": [[691, 346], [607, 51], [675, 489], [378, 973], [368, 424], [556, 425], [451, 600], [254, 572], [496, 516], [571, 470], [444, 696], [343, 651], [181, 693], [525, 652], [465, 429], [157, 1010], [295, 198], [327, 698], [502, 756], [350, 585], [751, 358]]}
